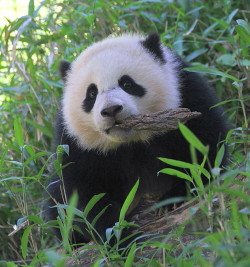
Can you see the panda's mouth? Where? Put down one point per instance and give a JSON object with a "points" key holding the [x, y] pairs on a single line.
{"points": [[118, 135], [115, 126]]}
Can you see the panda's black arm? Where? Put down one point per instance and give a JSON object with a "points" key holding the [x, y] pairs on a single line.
{"points": [[71, 183], [89, 174]]}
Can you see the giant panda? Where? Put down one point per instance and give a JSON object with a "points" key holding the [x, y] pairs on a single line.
{"points": [[111, 80]]}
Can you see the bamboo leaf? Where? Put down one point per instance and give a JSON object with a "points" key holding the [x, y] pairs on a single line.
{"points": [[212, 72], [24, 241], [176, 173], [192, 139], [128, 201], [219, 157], [131, 255], [18, 132], [92, 203], [31, 8], [177, 163]]}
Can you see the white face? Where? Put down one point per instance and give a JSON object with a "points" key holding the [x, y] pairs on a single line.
{"points": [[110, 81]]}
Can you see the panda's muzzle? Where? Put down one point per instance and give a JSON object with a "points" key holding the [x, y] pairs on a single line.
{"points": [[111, 113]]}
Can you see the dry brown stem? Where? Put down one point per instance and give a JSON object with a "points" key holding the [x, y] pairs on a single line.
{"points": [[160, 121]]}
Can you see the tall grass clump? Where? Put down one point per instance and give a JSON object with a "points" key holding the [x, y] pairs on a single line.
{"points": [[214, 36]]}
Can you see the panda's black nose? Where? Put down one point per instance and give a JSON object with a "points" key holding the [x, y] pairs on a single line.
{"points": [[111, 111]]}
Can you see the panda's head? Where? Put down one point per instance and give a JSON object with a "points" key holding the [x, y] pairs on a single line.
{"points": [[112, 80]]}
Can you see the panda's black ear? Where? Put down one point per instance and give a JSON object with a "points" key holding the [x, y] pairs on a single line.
{"points": [[64, 67], [153, 45]]}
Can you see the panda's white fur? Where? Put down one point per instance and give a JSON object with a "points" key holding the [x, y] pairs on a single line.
{"points": [[103, 64]]}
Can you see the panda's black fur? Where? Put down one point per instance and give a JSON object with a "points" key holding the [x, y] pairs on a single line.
{"points": [[115, 171]]}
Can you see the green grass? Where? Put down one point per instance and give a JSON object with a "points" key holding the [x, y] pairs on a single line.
{"points": [[213, 35]]}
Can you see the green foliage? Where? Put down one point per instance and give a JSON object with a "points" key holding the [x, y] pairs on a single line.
{"points": [[128, 201], [192, 172], [212, 35], [69, 213]]}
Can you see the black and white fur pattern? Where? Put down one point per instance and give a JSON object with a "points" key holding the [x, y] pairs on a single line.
{"points": [[109, 81]]}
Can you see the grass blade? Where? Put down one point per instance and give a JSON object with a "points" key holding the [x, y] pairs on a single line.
{"points": [[128, 201]]}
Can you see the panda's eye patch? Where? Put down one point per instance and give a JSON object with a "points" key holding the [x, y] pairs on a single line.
{"points": [[130, 86], [91, 95]]}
